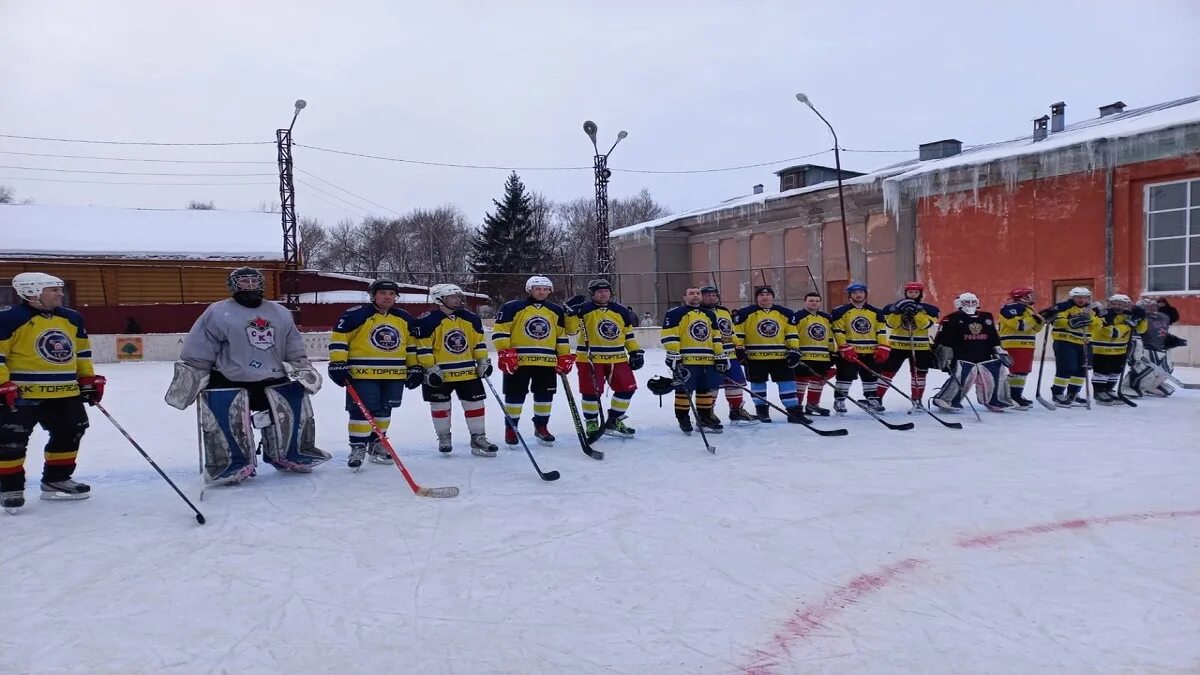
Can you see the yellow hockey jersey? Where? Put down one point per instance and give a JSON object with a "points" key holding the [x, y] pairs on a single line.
{"points": [[863, 328], [765, 333], [1019, 325], [905, 335], [692, 333], [605, 333], [43, 353], [452, 342], [1066, 313], [536, 330], [815, 331], [1111, 334], [377, 346], [725, 326]]}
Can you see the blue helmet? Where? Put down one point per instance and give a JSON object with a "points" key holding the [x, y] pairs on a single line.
{"points": [[856, 286]]}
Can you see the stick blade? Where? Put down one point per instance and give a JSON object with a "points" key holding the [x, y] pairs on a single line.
{"points": [[594, 454], [438, 492], [550, 476], [200, 518]]}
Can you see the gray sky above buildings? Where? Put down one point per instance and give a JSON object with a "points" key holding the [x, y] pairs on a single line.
{"points": [[697, 85]]}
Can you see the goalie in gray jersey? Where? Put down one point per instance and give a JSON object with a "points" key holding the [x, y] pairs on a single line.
{"points": [[244, 360]]}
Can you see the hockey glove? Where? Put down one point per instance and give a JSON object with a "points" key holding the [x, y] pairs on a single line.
{"points": [[848, 354], [573, 304], [339, 373], [793, 358], [91, 388], [882, 352], [416, 376], [1003, 355], [908, 307], [565, 363], [433, 377], [722, 366], [739, 353], [637, 359], [944, 356], [1080, 319], [483, 367], [672, 361], [508, 360], [9, 393]]}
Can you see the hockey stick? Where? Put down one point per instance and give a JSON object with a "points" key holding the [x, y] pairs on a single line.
{"points": [[383, 440], [199, 516], [949, 425], [808, 425], [1087, 376], [583, 441], [703, 436], [1125, 366], [894, 427], [1042, 367], [544, 475], [595, 381]]}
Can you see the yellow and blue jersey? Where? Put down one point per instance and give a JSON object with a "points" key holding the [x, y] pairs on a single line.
{"points": [[1019, 326], [607, 333], [765, 333], [692, 333], [1068, 313], [725, 326], [452, 342], [1110, 335], [863, 328], [536, 330], [44, 353], [377, 346], [815, 332], [911, 335]]}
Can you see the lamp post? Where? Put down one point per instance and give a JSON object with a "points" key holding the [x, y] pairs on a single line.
{"points": [[287, 209], [837, 158], [604, 263]]}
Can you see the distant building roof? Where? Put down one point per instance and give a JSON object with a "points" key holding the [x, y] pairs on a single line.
{"points": [[41, 231]]}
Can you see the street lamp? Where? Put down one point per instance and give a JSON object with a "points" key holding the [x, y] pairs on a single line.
{"points": [[837, 158], [287, 209], [604, 262]]}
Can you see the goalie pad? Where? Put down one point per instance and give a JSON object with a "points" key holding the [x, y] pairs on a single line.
{"points": [[228, 439], [290, 442], [186, 385], [961, 375], [990, 388], [1149, 375]]}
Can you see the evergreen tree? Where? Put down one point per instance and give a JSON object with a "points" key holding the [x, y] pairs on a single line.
{"points": [[509, 246]]}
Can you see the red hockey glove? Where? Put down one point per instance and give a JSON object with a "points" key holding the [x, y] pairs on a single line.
{"points": [[847, 352], [91, 388], [508, 360], [9, 393], [882, 353], [565, 363]]}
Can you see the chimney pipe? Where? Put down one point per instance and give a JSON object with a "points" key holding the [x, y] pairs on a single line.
{"points": [[1039, 128], [1058, 117], [939, 149], [758, 189], [1112, 108]]}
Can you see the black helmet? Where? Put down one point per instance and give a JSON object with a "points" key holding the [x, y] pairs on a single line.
{"points": [[598, 284], [660, 386], [709, 289], [759, 290], [382, 285], [246, 280]]}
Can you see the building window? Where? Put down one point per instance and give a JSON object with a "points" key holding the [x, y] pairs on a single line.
{"points": [[1173, 236]]}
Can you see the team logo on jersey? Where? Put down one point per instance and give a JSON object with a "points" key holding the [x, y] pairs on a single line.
{"points": [[768, 328], [261, 333], [537, 327], [699, 331], [975, 328], [385, 338], [455, 341], [608, 329], [726, 327], [816, 331], [861, 325], [54, 346]]}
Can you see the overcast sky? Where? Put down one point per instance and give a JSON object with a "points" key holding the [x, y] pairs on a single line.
{"points": [[697, 84]]}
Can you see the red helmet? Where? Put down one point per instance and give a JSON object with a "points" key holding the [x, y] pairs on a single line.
{"points": [[1020, 292], [914, 286]]}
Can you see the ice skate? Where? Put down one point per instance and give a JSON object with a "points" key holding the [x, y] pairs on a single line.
{"points": [[482, 447], [65, 490], [444, 444], [358, 451], [12, 500], [543, 435]]}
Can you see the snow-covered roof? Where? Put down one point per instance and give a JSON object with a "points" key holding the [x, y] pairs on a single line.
{"points": [[358, 298], [338, 275], [36, 230]]}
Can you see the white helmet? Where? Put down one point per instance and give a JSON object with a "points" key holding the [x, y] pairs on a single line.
{"points": [[29, 285], [1080, 292], [1120, 297], [967, 302], [538, 281], [442, 291]]}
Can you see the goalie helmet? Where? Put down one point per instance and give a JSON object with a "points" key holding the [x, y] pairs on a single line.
{"points": [[246, 280], [660, 386], [29, 285], [535, 281], [967, 302]]}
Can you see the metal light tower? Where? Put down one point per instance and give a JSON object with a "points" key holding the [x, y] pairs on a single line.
{"points": [[604, 262], [287, 208], [837, 158]]}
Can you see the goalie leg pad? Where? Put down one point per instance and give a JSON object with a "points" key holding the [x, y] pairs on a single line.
{"points": [[290, 442], [989, 384], [226, 431]]}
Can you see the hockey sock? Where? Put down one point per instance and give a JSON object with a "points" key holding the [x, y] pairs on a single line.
{"points": [[513, 404], [440, 411], [760, 392], [705, 401], [541, 409], [787, 393], [734, 398], [918, 384], [801, 387], [473, 411], [885, 378], [358, 428], [591, 406], [843, 389], [620, 403], [682, 403], [815, 386]]}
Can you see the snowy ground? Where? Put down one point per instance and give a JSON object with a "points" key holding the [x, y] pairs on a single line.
{"points": [[1063, 541]]}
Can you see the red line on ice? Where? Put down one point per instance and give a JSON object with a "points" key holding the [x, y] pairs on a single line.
{"points": [[811, 617]]}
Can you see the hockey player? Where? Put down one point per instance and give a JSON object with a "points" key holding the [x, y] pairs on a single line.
{"points": [[532, 349], [1019, 328], [1119, 324], [814, 329], [245, 361], [909, 321], [1149, 363], [696, 359], [453, 358], [372, 349], [770, 349], [735, 377], [607, 351], [45, 378], [860, 332], [969, 350], [1073, 320]]}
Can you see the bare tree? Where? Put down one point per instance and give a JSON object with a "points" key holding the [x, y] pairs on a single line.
{"points": [[202, 206], [438, 242], [314, 242], [7, 194], [623, 212]]}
